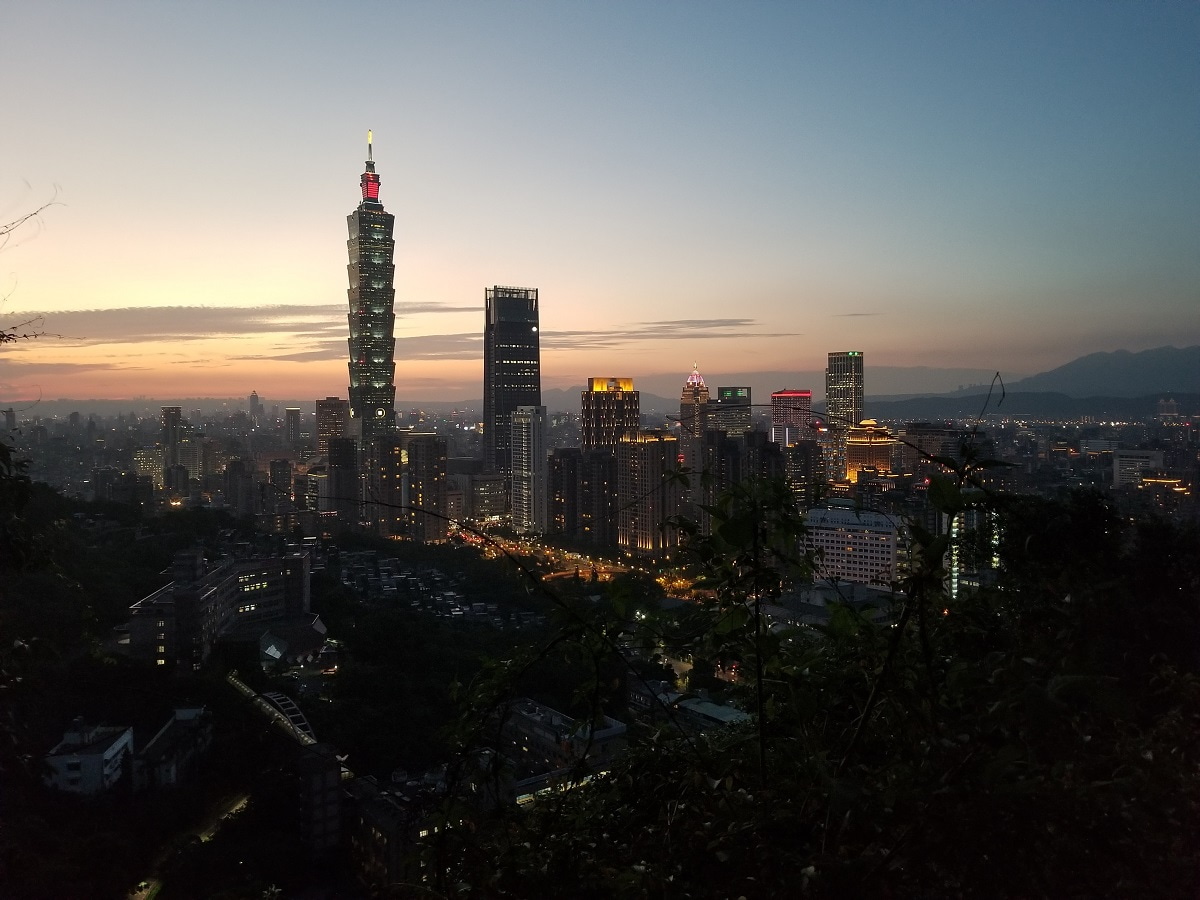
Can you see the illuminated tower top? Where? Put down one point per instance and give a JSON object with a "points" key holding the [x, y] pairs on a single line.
{"points": [[693, 404], [370, 181]]}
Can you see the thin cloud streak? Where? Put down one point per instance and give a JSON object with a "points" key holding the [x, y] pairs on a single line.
{"points": [[152, 324]]}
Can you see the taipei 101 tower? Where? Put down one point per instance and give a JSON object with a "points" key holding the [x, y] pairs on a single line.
{"points": [[372, 322]]}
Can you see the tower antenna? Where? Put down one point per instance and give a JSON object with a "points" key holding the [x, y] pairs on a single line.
{"points": [[369, 156]]}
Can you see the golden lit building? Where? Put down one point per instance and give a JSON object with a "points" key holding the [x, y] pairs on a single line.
{"points": [[869, 445], [610, 409]]}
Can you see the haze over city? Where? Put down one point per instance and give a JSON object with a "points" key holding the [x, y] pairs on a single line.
{"points": [[992, 187]]}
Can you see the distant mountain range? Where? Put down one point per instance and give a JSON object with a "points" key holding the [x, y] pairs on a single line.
{"points": [[1121, 374]]}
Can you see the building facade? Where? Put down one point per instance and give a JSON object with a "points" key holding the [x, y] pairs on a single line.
{"points": [[609, 410], [693, 417], [512, 368], [791, 416], [649, 495], [854, 545], [530, 471], [333, 422], [371, 317], [843, 404], [731, 412]]}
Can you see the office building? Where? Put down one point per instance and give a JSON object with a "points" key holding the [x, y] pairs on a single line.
{"points": [[843, 404], [649, 495], [693, 418], [731, 412], [791, 416], [1130, 465], [371, 318], [530, 470], [610, 409], [512, 374], [333, 422]]}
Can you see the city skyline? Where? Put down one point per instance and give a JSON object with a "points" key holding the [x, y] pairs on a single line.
{"points": [[993, 188]]}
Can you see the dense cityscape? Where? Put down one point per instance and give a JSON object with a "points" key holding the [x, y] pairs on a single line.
{"points": [[525, 450], [244, 632]]}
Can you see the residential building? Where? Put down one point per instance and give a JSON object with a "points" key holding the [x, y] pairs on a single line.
{"points": [[333, 421], [530, 470], [649, 493]]}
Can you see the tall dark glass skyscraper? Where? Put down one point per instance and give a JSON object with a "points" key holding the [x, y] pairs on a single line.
{"points": [[512, 368], [372, 322]]}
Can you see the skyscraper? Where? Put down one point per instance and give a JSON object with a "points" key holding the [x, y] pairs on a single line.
{"points": [[172, 427], [791, 415], [843, 404], [609, 409], [512, 368], [693, 418], [333, 419], [291, 427], [844, 389], [372, 321], [731, 412]]}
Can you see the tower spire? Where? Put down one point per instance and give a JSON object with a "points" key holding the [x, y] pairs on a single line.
{"points": [[370, 181]]}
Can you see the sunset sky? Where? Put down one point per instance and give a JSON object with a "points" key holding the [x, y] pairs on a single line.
{"points": [[978, 186]]}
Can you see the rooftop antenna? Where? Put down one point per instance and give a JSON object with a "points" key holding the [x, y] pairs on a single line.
{"points": [[369, 156]]}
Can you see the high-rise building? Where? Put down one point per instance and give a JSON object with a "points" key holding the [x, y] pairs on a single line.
{"points": [[693, 405], [172, 432], [257, 413], [844, 389], [693, 417], [291, 426], [804, 467], [372, 320], [530, 470], [731, 412], [648, 496], [512, 369], [333, 422], [843, 404], [345, 483], [609, 409], [427, 488], [791, 416]]}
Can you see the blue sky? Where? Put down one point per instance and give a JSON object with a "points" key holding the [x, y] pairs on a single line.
{"points": [[984, 186]]}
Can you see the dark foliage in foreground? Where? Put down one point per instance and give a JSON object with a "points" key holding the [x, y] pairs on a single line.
{"points": [[1035, 739]]}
